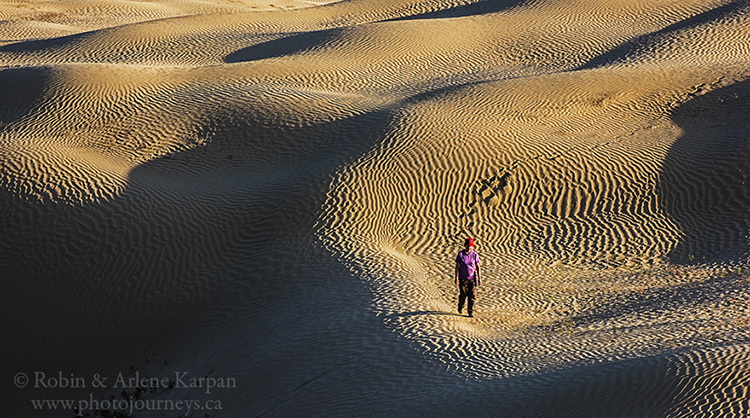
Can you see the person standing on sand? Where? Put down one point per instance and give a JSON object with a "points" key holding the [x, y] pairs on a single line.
{"points": [[467, 276]]}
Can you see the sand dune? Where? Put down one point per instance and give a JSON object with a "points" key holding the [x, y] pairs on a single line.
{"points": [[275, 191]]}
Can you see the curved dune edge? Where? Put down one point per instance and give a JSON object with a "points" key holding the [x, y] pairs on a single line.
{"points": [[46, 19], [572, 228], [157, 161]]}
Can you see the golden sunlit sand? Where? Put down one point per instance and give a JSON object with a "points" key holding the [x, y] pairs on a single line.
{"points": [[274, 192]]}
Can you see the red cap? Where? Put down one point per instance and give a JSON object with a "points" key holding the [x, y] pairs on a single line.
{"points": [[469, 242]]}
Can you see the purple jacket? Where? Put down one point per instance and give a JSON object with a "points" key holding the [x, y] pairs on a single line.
{"points": [[467, 264]]}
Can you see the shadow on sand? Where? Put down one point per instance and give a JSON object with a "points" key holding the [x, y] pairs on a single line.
{"points": [[422, 313], [704, 183]]}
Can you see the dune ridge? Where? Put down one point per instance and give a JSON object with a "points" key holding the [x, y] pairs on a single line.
{"points": [[276, 191]]}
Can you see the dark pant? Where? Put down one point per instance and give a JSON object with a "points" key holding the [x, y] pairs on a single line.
{"points": [[468, 289]]}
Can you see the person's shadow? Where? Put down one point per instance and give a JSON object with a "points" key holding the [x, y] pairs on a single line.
{"points": [[704, 183], [421, 313]]}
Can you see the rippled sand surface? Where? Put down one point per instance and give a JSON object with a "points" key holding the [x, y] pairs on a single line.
{"points": [[275, 192]]}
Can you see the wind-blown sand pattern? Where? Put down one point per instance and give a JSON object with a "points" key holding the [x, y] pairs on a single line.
{"points": [[276, 192]]}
